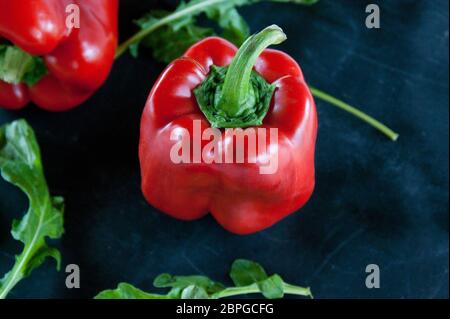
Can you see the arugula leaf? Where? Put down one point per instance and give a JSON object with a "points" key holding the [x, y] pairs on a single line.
{"points": [[170, 41], [17, 66], [234, 27], [194, 292], [127, 291], [272, 287], [248, 276], [245, 272], [178, 30], [167, 280], [21, 165]]}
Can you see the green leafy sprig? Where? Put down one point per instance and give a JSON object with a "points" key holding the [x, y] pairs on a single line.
{"points": [[21, 165], [178, 30], [248, 277]]}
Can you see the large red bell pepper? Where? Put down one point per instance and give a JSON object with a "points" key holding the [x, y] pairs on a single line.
{"points": [[198, 86], [78, 59]]}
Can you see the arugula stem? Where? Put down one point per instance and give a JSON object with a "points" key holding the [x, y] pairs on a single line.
{"points": [[15, 275], [170, 18], [254, 289], [235, 291], [354, 111], [296, 290], [10, 283]]}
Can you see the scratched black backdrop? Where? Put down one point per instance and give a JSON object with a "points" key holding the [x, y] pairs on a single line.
{"points": [[376, 201]]}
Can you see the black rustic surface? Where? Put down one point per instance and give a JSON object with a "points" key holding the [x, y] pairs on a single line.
{"points": [[376, 201]]}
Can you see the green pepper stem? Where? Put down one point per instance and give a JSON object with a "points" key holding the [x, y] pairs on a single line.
{"points": [[236, 87], [354, 111]]}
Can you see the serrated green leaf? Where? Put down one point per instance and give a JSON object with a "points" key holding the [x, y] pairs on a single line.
{"points": [[171, 41], [178, 30], [20, 165], [235, 28], [39, 256]]}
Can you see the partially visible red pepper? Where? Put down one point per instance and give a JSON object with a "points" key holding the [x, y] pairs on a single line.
{"points": [[78, 59], [241, 199]]}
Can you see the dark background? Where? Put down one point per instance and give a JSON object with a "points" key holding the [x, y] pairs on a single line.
{"points": [[376, 201]]}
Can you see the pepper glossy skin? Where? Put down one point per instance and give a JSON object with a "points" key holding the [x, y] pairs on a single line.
{"points": [[241, 199], [78, 59]]}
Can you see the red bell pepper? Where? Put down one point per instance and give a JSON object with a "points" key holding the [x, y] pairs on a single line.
{"points": [[77, 60], [214, 84]]}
